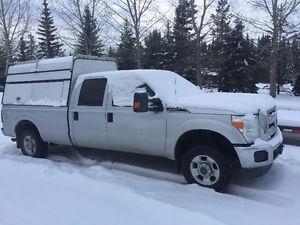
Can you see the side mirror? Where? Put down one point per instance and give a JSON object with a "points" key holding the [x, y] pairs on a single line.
{"points": [[140, 103]]}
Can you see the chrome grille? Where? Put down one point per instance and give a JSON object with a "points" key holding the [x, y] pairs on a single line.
{"points": [[272, 122]]}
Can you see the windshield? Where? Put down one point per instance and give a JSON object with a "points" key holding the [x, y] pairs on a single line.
{"points": [[169, 85]]}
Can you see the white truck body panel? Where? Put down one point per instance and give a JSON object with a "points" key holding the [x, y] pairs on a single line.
{"points": [[55, 107]]}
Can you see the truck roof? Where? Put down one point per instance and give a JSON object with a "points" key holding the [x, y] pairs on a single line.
{"points": [[60, 63]]}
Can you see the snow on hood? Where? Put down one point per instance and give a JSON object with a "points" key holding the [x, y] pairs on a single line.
{"points": [[226, 102]]}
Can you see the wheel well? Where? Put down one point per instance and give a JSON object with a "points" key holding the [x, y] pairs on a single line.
{"points": [[205, 137], [23, 125]]}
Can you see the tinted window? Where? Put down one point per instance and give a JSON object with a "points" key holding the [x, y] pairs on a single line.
{"points": [[92, 92]]}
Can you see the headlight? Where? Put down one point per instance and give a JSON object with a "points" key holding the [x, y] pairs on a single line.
{"points": [[238, 122], [247, 125], [263, 121]]}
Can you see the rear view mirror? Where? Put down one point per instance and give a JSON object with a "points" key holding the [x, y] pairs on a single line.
{"points": [[140, 103]]}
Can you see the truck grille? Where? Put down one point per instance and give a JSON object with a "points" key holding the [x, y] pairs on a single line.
{"points": [[272, 122]]}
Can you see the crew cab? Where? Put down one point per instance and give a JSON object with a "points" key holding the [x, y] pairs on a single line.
{"points": [[85, 102]]}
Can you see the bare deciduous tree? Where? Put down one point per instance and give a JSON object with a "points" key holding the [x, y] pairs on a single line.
{"points": [[142, 15], [71, 13], [278, 12], [200, 24], [14, 21]]}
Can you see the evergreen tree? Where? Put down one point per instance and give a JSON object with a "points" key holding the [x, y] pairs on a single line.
{"points": [[49, 45], [112, 53], [296, 89], [31, 47], [3, 62], [22, 47], [220, 49], [237, 72], [168, 48], [125, 51], [263, 59], [295, 55], [153, 53], [182, 37], [285, 64], [89, 42], [26, 49]]}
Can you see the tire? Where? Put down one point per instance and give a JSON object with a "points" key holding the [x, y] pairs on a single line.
{"points": [[206, 166], [32, 144]]}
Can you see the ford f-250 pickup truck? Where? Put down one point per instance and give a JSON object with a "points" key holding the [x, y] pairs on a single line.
{"points": [[86, 102]]}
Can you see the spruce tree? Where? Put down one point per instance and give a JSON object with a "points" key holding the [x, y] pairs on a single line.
{"points": [[183, 39], [220, 49], [89, 42], [27, 49], [125, 51], [168, 48], [285, 64], [112, 52], [237, 72], [296, 89], [3, 61], [153, 53], [21, 54], [49, 45], [263, 59], [295, 54], [31, 47]]}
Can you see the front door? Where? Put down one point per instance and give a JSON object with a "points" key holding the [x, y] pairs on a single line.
{"points": [[88, 115], [129, 131]]}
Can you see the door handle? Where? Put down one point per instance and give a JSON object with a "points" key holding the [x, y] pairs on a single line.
{"points": [[110, 117], [75, 116]]}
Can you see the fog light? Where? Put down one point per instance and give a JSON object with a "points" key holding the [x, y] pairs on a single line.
{"points": [[261, 156]]}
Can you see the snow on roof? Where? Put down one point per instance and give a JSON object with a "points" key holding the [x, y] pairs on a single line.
{"points": [[59, 63], [167, 84], [176, 91]]}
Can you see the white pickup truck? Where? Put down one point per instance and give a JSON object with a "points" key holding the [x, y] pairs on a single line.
{"points": [[85, 102]]}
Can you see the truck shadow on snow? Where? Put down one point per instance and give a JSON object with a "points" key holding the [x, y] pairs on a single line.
{"points": [[253, 188]]}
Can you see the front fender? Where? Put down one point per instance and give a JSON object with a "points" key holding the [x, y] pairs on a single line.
{"points": [[221, 126]]}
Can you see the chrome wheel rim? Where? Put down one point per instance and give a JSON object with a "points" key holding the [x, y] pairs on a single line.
{"points": [[205, 170], [29, 145]]}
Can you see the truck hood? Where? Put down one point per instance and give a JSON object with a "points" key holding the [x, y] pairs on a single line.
{"points": [[233, 103]]}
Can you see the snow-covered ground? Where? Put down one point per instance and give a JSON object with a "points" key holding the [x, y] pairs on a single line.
{"points": [[288, 110], [67, 188]]}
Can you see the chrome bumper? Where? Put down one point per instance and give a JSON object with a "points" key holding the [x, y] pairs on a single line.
{"points": [[262, 153]]}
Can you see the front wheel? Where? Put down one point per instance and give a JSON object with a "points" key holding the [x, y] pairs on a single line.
{"points": [[32, 144], [206, 166]]}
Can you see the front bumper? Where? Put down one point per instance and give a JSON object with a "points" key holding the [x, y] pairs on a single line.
{"points": [[261, 153]]}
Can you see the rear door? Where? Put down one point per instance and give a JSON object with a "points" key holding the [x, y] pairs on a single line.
{"points": [[87, 114]]}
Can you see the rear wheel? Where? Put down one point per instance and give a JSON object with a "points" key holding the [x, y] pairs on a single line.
{"points": [[32, 144], [204, 165]]}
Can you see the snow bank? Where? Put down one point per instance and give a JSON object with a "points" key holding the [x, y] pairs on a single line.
{"points": [[289, 118]]}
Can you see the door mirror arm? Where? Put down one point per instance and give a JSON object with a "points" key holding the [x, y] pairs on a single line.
{"points": [[156, 105]]}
